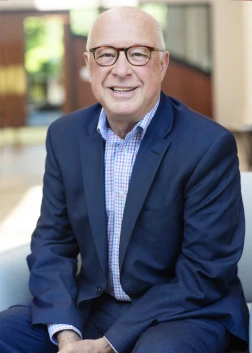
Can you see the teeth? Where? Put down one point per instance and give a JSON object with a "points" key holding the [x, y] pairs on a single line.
{"points": [[123, 89]]}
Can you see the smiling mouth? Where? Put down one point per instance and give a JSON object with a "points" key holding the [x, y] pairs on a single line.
{"points": [[122, 90]]}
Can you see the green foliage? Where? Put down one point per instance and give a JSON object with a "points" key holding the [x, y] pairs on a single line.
{"points": [[44, 45], [34, 30]]}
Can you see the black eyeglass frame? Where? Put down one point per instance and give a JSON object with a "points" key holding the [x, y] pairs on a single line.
{"points": [[151, 49]]}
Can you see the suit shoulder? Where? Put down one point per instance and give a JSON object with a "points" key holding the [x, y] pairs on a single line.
{"points": [[194, 133], [189, 120]]}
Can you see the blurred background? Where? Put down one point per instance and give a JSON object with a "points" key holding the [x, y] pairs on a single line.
{"points": [[43, 75]]}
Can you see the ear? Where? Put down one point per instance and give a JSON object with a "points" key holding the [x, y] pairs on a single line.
{"points": [[87, 61], [164, 64], [86, 57]]}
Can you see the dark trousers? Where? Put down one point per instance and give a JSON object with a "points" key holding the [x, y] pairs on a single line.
{"points": [[17, 335]]}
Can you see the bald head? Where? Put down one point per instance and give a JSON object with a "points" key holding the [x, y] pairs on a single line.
{"points": [[131, 17]]}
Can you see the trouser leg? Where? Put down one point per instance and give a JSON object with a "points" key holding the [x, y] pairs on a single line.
{"points": [[180, 336], [184, 336], [17, 335]]}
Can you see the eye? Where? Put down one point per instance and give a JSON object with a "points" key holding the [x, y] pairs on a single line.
{"points": [[105, 53], [139, 53]]}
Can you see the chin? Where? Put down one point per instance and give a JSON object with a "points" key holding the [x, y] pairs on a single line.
{"points": [[123, 113], [123, 109]]}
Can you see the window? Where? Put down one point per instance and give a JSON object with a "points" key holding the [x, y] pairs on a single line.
{"points": [[188, 34]]}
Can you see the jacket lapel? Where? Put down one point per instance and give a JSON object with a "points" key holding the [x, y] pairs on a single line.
{"points": [[149, 157], [92, 164]]}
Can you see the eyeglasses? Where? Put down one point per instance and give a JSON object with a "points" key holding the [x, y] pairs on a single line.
{"points": [[137, 55]]}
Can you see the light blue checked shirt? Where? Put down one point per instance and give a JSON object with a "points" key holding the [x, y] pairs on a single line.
{"points": [[119, 159]]}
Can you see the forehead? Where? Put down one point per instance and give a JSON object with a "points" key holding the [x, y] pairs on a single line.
{"points": [[124, 31]]}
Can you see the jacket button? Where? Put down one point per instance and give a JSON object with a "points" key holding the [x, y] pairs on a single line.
{"points": [[154, 322], [98, 290]]}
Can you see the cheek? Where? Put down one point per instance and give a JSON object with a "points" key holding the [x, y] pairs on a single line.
{"points": [[152, 75], [98, 78], [96, 82], [153, 82]]}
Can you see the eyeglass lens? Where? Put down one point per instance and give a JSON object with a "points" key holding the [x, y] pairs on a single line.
{"points": [[136, 55]]}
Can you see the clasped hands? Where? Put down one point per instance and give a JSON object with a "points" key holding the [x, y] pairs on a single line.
{"points": [[70, 342]]}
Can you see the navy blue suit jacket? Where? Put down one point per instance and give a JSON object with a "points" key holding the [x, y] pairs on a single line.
{"points": [[182, 231]]}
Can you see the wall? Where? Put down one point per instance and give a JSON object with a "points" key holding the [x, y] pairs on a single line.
{"points": [[191, 86], [12, 73], [247, 31], [229, 70], [232, 59]]}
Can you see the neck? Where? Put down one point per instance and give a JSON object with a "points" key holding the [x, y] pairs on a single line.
{"points": [[121, 128]]}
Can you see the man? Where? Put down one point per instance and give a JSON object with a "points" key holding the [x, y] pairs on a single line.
{"points": [[148, 192]]}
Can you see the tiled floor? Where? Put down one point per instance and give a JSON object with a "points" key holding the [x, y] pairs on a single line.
{"points": [[21, 173]]}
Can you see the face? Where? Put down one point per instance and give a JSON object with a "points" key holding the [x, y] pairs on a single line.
{"points": [[126, 92]]}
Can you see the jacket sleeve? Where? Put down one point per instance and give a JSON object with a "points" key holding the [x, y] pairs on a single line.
{"points": [[53, 258], [212, 245]]}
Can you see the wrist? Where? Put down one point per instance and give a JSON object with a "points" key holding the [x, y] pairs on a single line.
{"points": [[107, 348], [66, 336]]}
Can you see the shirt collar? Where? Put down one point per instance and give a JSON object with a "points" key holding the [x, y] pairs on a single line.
{"points": [[141, 126]]}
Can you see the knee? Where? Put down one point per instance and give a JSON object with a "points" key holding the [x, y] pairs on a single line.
{"points": [[6, 325], [140, 347], [11, 322], [18, 334], [148, 344]]}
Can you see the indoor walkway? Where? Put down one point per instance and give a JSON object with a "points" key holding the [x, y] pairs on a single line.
{"points": [[21, 174]]}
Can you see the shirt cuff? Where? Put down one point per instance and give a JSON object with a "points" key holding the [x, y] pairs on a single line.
{"points": [[110, 344], [54, 328]]}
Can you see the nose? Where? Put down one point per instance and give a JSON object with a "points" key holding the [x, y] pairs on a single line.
{"points": [[122, 67]]}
